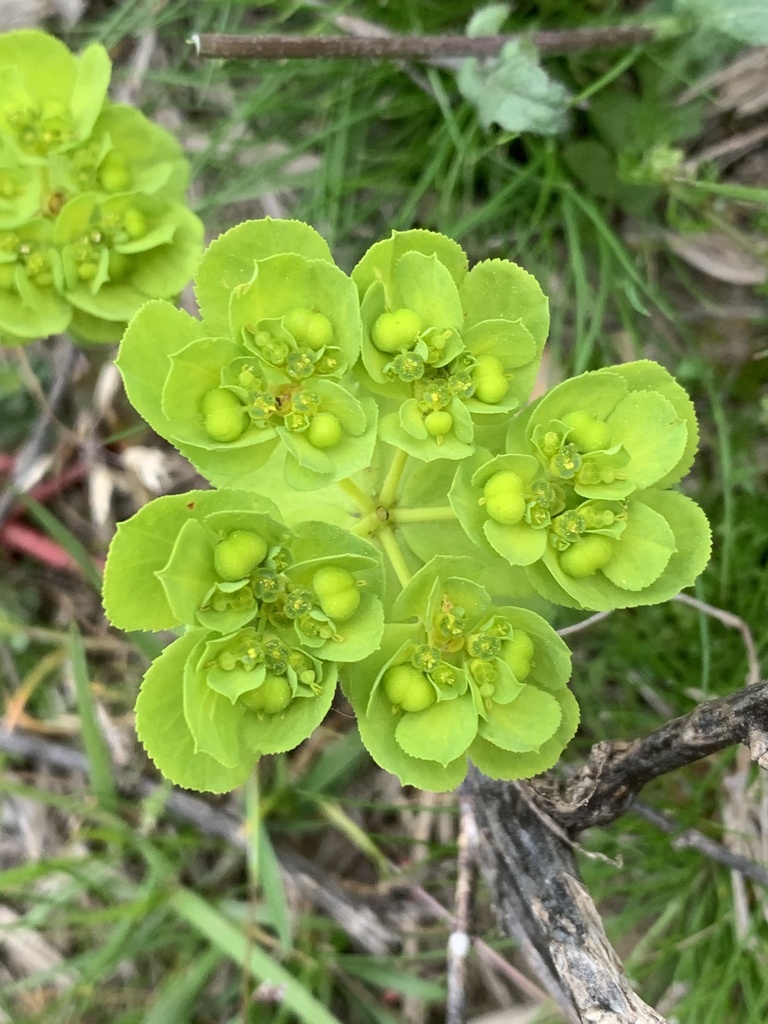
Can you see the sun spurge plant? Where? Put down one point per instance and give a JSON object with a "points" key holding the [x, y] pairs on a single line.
{"points": [[92, 214], [387, 510]]}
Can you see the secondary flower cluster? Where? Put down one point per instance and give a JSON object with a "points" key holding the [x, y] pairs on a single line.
{"points": [[270, 614], [469, 679], [92, 214], [391, 404], [580, 495]]}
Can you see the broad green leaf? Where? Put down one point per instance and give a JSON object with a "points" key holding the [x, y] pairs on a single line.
{"points": [[413, 601], [189, 573], [154, 159], [94, 69], [213, 720], [47, 66], [648, 427], [693, 543], [524, 724], [377, 723], [519, 543], [504, 764], [134, 597], [155, 333], [423, 284], [514, 91], [193, 371], [643, 374], [38, 314], [440, 733], [501, 290], [379, 261], [392, 431], [281, 283], [597, 392], [551, 667], [273, 734], [643, 550], [230, 259], [163, 730], [353, 453]]}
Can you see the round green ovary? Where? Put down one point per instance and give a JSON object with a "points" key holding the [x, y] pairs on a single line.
{"points": [[274, 695], [337, 592], [587, 433], [113, 173], [309, 327], [504, 498], [491, 384], [325, 430], [587, 555], [438, 423], [238, 554], [134, 223], [408, 689], [396, 331], [225, 418], [518, 654]]}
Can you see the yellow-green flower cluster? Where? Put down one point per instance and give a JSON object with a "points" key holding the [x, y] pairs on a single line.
{"points": [[92, 215]]}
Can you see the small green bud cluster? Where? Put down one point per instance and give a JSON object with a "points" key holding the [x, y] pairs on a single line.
{"points": [[471, 680], [580, 498], [270, 614], [91, 193]]}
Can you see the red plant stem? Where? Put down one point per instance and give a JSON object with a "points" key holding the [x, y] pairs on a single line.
{"points": [[27, 541]]}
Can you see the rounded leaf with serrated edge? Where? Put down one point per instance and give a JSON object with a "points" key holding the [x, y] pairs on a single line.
{"points": [[134, 596], [378, 262], [230, 259], [377, 723], [163, 730], [678, 538], [281, 283]]}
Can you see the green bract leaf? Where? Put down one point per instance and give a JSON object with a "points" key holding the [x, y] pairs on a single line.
{"points": [[266, 306], [164, 732], [230, 259], [508, 765], [645, 375], [379, 261], [523, 725], [277, 733], [155, 333], [377, 723], [440, 733], [134, 596], [139, 156]]}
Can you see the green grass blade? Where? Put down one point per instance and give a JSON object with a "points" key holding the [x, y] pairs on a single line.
{"points": [[176, 999], [96, 749], [222, 934]]}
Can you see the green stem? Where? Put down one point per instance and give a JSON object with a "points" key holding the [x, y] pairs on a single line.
{"points": [[363, 501], [392, 480], [435, 513], [395, 556], [367, 526]]}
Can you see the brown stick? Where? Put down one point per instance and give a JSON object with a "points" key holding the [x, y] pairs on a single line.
{"points": [[551, 42], [541, 902], [603, 789]]}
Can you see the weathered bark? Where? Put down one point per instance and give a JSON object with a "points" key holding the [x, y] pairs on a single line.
{"points": [[526, 850]]}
